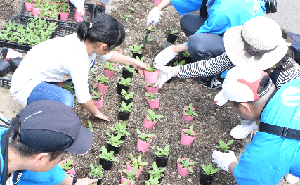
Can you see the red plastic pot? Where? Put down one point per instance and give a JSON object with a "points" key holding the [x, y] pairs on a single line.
{"points": [[77, 16], [35, 11], [102, 87], [151, 77], [185, 117], [150, 90], [154, 104], [156, 2], [99, 104], [64, 16], [125, 180], [72, 171], [186, 140], [129, 168], [183, 171], [148, 123], [143, 146], [28, 6]]}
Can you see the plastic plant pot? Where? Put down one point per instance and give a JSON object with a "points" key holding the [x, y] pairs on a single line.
{"points": [[156, 2], [28, 6], [119, 51], [99, 181], [35, 11], [108, 73], [77, 16], [102, 87], [205, 179], [72, 171], [125, 180], [134, 55], [183, 171], [99, 104], [148, 123], [186, 140], [64, 16], [113, 148], [154, 104], [142, 145], [161, 161], [172, 38], [4, 67], [185, 117], [124, 115], [150, 90], [120, 87], [106, 165], [151, 77], [126, 101], [129, 168], [126, 74]]}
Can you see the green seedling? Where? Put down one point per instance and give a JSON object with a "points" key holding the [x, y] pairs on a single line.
{"points": [[140, 59], [120, 129], [209, 170], [174, 32], [125, 108], [69, 87], [107, 156], [143, 136], [149, 68], [126, 17], [66, 165], [152, 116], [179, 63], [131, 9], [64, 8], [131, 175], [190, 132], [156, 172], [115, 140], [136, 4], [95, 94], [29, 1], [96, 172], [37, 4], [136, 49], [151, 97], [149, 39], [162, 152], [186, 54], [127, 96], [189, 111], [116, 48], [224, 146], [103, 79], [152, 181], [130, 69], [90, 126], [109, 66], [137, 162], [186, 164], [125, 82]]}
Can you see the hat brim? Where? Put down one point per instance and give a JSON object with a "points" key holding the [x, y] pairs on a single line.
{"points": [[235, 49], [83, 142]]}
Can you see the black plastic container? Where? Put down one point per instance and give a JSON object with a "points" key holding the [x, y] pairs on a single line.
{"points": [[134, 55], [161, 161], [99, 181], [172, 38], [113, 148], [120, 87], [124, 115], [106, 165], [126, 101], [205, 179], [4, 67], [126, 74], [15, 63]]}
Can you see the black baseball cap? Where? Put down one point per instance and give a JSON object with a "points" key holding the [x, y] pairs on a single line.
{"points": [[51, 126]]}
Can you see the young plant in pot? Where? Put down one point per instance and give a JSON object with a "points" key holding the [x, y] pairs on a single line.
{"points": [[128, 177], [120, 129], [136, 163], [207, 173], [68, 166], [189, 113], [106, 159], [152, 181], [186, 56], [69, 87], [173, 34], [185, 166], [109, 69], [127, 98], [155, 172], [36, 8], [128, 71], [125, 111], [136, 51], [187, 136], [102, 84], [114, 143], [176, 63], [151, 74], [96, 173], [162, 156], [28, 5], [123, 84], [144, 141], [98, 99], [153, 99], [64, 11], [150, 88], [150, 119], [224, 146]]}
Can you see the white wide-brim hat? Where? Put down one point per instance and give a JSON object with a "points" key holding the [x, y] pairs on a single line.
{"points": [[264, 35]]}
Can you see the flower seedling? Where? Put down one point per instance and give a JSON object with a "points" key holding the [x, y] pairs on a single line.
{"points": [[152, 116], [125, 108], [120, 129], [209, 170], [149, 68], [140, 59], [69, 87], [151, 97], [90, 126], [127, 96], [149, 39], [107, 156], [162, 152], [131, 9], [143, 136], [38, 4], [186, 54], [174, 32], [156, 172], [189, 111], [125, 82], [126, 17], [179, 63], [66, 165], [114, 140], [103, 79], [152, 181], [96, 95], [137, 162], [116, 48], [130, 69], [64, 8], [224, 146], [131, 175], [109, 66], [136, 49], [96, 172], [186, 164], [189, 132]]}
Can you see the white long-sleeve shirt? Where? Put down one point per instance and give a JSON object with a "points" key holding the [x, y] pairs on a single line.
{"points": [[55, 60]]}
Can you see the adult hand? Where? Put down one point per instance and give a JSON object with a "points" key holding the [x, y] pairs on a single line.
{"points": [[165, 73], [140, 66], [164, 57], [85, 181], [224, 159], [154, 17], [101, 116]]}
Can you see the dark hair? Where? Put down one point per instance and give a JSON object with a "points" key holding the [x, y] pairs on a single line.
{"points": [[104, 28], [22, 150]]}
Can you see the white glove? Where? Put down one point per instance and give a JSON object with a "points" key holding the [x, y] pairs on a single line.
{"points": [[165, 74], [154, 17], [164, 57], [223, 160], [78, 4]]}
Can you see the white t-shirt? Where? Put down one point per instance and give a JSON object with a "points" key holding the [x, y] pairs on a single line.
{"points": [[55, 60]]}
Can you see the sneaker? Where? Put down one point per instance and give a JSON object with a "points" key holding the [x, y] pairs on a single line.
{"points": [[242, 131], [291, 178], [211, 82]]}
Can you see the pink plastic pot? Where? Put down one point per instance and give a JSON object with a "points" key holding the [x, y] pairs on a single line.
{"points": [[119, 51], [154, 104], [63, 16], [28, 6], [102, 87], [35, 11], [186, 140], [148, 123], [150, 90], [99, 104], [151, 77], [108, 73], [143, 146], [183, 171], [156, 2], [125, 180], [129, 168], [77, 16], [185, 117], [72, 171]]}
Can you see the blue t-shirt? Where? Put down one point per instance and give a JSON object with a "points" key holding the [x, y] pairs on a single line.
{"points": [[269, 157], [54, 176]]}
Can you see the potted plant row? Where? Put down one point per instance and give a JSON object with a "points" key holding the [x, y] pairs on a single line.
{"points": [[107, 158], [150, 119], [144, 141], [153, 99], [187, 136], [120, 129]]}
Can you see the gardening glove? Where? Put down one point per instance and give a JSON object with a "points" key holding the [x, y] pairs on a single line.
{"points": [[164, 57], [154, 17], [165, 74], [79, 4], [224, 159]]}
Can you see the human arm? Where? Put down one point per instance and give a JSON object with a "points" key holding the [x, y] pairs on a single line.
{"points": [[68, 180], [89, 105]]}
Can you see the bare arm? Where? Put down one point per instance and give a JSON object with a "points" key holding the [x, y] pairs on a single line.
{"points": [[93, 110], [68, 180], [163, 4], [231, 167]]}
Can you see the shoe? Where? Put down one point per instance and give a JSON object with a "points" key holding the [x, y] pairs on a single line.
{"points": [[211, 82], [291, 178], [242, 131]]}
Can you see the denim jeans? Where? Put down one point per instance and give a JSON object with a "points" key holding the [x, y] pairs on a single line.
{"points": [[47, 91]]}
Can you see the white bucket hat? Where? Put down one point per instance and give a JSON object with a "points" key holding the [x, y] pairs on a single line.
{"points": [[258, 42]]}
